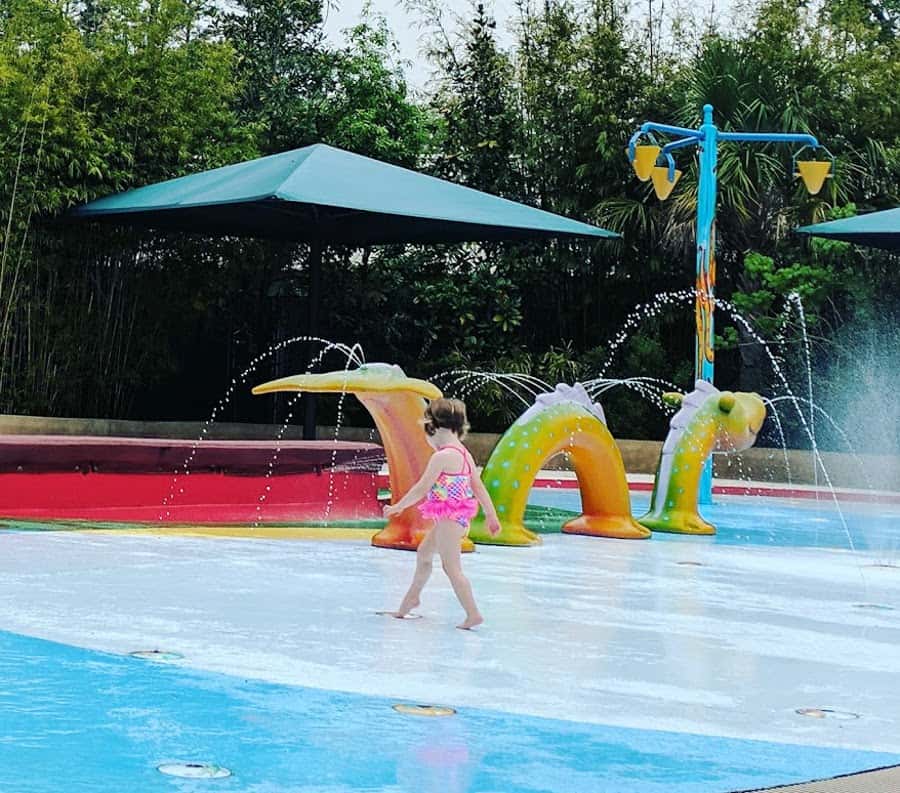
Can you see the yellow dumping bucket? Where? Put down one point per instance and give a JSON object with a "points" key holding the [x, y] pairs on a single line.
{"points": [[644, 160], [661, 184], [813, 173]]}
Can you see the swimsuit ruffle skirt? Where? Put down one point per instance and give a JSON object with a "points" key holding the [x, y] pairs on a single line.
{"points": [[451, 497]]}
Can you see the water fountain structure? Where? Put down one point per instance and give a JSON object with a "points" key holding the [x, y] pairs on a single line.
{"points": [[563, 420]]}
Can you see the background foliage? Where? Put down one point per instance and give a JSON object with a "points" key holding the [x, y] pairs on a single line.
{"points": [[102, 95]]}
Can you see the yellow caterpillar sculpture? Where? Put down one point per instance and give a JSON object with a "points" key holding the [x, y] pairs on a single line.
{"points": [[565, 419]]}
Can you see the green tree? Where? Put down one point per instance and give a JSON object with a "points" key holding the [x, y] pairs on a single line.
{"points": [[87, 112], [477, 103]]}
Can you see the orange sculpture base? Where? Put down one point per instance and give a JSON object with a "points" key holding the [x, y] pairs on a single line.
{"points": [[620, 527]]}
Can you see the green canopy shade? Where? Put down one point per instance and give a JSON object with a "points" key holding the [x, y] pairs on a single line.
{"points": [[319, 193], [326, 196], [876, 229]]}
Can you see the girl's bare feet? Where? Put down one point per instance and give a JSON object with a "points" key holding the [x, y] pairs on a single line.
{"points": [[470, 622], [405, 608]]}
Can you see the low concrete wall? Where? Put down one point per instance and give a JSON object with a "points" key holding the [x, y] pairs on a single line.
{"points": [[881, 472], [867, 471], [186, 430], [878, 472]]}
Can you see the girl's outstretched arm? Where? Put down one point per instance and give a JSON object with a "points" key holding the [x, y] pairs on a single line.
{"points": [[438, 463]]}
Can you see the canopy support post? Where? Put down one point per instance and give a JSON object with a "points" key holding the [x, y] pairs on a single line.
{"points": [[315, 288]]}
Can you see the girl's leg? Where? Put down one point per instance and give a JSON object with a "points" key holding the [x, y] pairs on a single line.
{"points": [[449, 534], [424, 554]]}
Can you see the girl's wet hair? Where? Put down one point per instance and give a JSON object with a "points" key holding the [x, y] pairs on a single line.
{"points": [[447, 414]]}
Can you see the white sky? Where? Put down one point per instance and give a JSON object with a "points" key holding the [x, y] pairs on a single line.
{"points": [[407, 30]]}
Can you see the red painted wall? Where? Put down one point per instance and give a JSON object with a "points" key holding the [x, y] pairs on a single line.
{"points": [[125, 479]]}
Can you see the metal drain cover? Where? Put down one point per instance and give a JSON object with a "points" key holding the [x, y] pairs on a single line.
{"points": [[827, 713], [194, 770], [424, 710], [156, 655]]}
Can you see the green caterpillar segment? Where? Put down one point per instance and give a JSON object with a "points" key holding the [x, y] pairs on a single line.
{"points": [[511, 534], [709, 420], [565, 420]]}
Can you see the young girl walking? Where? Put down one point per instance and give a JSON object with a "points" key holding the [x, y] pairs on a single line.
{"points": [[450, 492]]}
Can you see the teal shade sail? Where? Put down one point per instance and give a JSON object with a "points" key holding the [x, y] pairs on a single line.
{"points": [[320, 193], [875, 229], [325, 196]]}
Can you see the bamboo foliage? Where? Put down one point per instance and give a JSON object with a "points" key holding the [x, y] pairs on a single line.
{"points": [[86, 109], [98, 97]]}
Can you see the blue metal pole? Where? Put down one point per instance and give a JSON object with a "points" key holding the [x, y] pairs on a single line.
{"points": [[706, 139], [704, 355]]}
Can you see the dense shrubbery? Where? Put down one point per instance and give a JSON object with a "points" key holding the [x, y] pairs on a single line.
{"points": [[110, 94]]}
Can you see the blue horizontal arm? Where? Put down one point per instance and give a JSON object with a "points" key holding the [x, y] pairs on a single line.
{"points": [[680, 144], [770, 137], [651, 126]]}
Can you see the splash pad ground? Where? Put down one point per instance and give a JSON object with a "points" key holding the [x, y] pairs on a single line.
{"points": [[676, 664]]}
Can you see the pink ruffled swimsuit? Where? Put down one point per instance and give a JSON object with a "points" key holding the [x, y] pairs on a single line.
{"points": [[451, 496]]}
